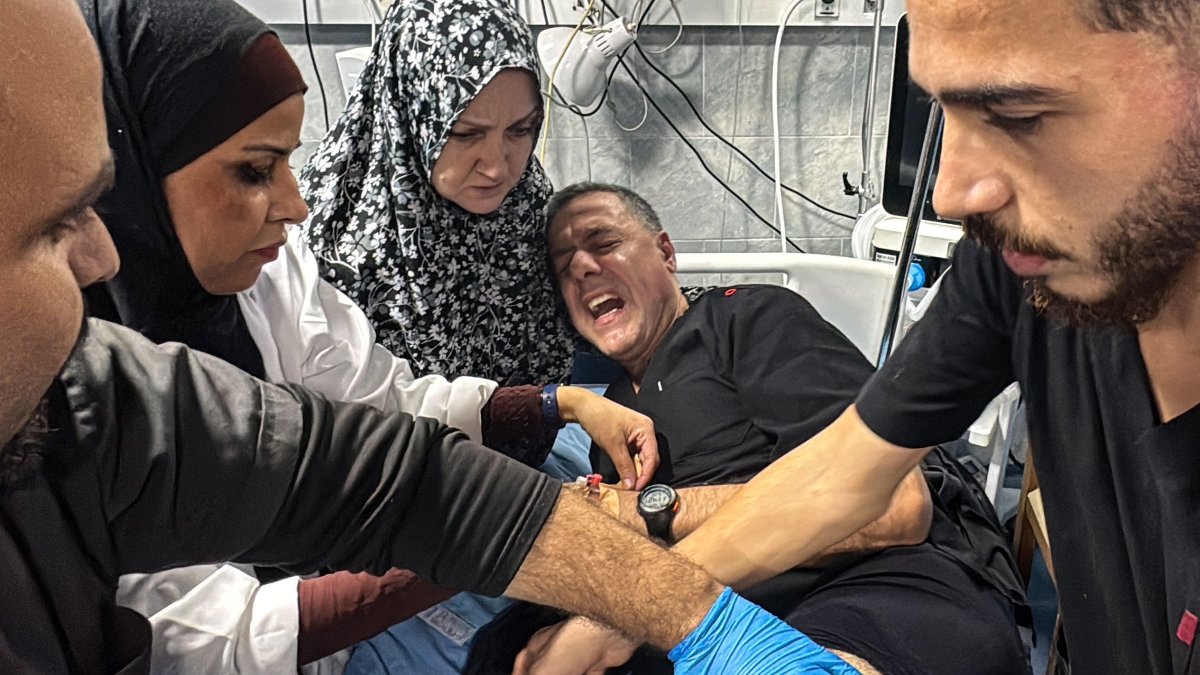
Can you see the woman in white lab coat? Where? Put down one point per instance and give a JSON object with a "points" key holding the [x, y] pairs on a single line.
{"points": [[204, 107]]}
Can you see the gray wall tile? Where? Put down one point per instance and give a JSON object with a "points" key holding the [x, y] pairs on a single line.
{"points": [[816, 81], [567, 161], [811, 165], [667, 174]]}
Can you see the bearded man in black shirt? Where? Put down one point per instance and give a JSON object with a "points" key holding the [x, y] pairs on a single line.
{"points": [[1071, 151]]}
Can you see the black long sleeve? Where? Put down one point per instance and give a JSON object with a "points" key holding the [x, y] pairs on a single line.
{"points": [[199, 462]]}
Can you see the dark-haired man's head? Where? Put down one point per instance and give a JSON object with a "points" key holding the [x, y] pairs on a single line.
{"points": [[1071, 143], [615, 268], [56, 163]]}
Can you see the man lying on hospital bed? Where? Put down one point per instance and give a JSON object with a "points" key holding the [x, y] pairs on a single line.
{"points": [[733, 381]]}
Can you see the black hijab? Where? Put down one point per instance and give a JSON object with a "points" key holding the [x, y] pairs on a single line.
{"points": [[168, 65]]}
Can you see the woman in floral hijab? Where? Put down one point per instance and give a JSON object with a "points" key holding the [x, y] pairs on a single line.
{"points": [[427, 205]]}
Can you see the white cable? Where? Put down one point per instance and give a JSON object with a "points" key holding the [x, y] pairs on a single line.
{"points": [[866, 186], [780, 220], [550, 85], [863, 234], [678, 34], [645, 113], [637, 13], [372, 12], [737, 10], [587, 146]]}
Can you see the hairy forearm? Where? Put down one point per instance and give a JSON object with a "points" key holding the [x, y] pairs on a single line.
{"points": [[906, 522], [696, 504], [849, 478], [580, 562]]}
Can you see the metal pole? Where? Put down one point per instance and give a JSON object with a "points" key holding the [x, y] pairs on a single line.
{"points": [[866, 188], [916, 207]]}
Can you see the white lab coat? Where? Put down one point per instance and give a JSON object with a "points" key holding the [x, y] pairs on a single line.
{"points": [[218, 618]]}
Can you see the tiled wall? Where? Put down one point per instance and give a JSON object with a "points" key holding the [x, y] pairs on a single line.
{"points": [[727, 74]]}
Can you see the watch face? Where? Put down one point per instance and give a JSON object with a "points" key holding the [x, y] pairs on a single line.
{"points": [[656, 498]]}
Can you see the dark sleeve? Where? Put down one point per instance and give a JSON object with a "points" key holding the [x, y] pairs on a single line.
{"points": [[342, 609], [954, 361], [202, 463], [513, 425], [794, 372]]}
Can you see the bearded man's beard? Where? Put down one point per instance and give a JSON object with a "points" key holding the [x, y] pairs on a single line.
{"points": [[1143, 252], [23, 455]]}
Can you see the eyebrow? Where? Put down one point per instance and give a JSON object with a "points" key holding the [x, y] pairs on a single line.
{"points": [[593, 233], [993, 95], [481, 125], [102, 182], [270, 147]]}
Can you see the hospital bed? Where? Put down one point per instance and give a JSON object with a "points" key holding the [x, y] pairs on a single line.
{"points": [[851, 294]]}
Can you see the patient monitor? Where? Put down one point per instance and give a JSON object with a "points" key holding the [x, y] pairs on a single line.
{"points": [[907, 118]]}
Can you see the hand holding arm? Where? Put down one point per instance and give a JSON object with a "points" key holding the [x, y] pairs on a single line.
{"points": [[905, 523], [850, 476], [706, 633], [571, 647], [620, 431]]}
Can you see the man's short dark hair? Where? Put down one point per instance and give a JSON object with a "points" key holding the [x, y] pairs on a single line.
{"points": [[1173, 20], [634, 204]]}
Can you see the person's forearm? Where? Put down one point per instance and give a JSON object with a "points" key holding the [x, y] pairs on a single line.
{"points": [[906, 522], [696, 504], [341, 609], [580, 562], [824, 491]]}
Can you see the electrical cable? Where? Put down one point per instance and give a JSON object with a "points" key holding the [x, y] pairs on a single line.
{"points": [[779, 212], [587, 147], [737, 88], [645, 115], [637, 9], [645, 13], [708, 127], [313, 56], [700, 118], [545, 14], [699, 156], [678, 34], [550, 85], [620, 61]]}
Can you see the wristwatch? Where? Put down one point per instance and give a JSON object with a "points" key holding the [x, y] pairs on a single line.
{"points": [[657, 505]]}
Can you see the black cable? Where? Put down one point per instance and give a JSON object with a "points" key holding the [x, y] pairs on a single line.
{"points": [[700, 157], [545, 14], [316, 71], [705, 124], [726, 141], [645, 13]]}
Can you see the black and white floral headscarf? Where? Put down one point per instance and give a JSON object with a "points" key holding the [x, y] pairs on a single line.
{"points": [[453, 292]]}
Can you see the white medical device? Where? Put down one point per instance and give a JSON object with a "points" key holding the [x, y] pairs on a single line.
{"points": [[936, 236]]}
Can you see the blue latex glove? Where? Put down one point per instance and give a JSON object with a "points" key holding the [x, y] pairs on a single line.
{"points": [[738, 636]]}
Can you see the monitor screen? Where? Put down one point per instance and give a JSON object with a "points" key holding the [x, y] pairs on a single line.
{"points": [[907, 119]]}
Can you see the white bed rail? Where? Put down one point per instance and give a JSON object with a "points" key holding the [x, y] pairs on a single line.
{"points": [[851, 294]]}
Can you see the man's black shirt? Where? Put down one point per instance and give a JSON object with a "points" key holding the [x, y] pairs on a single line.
{"points": [[1121, 489]]}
